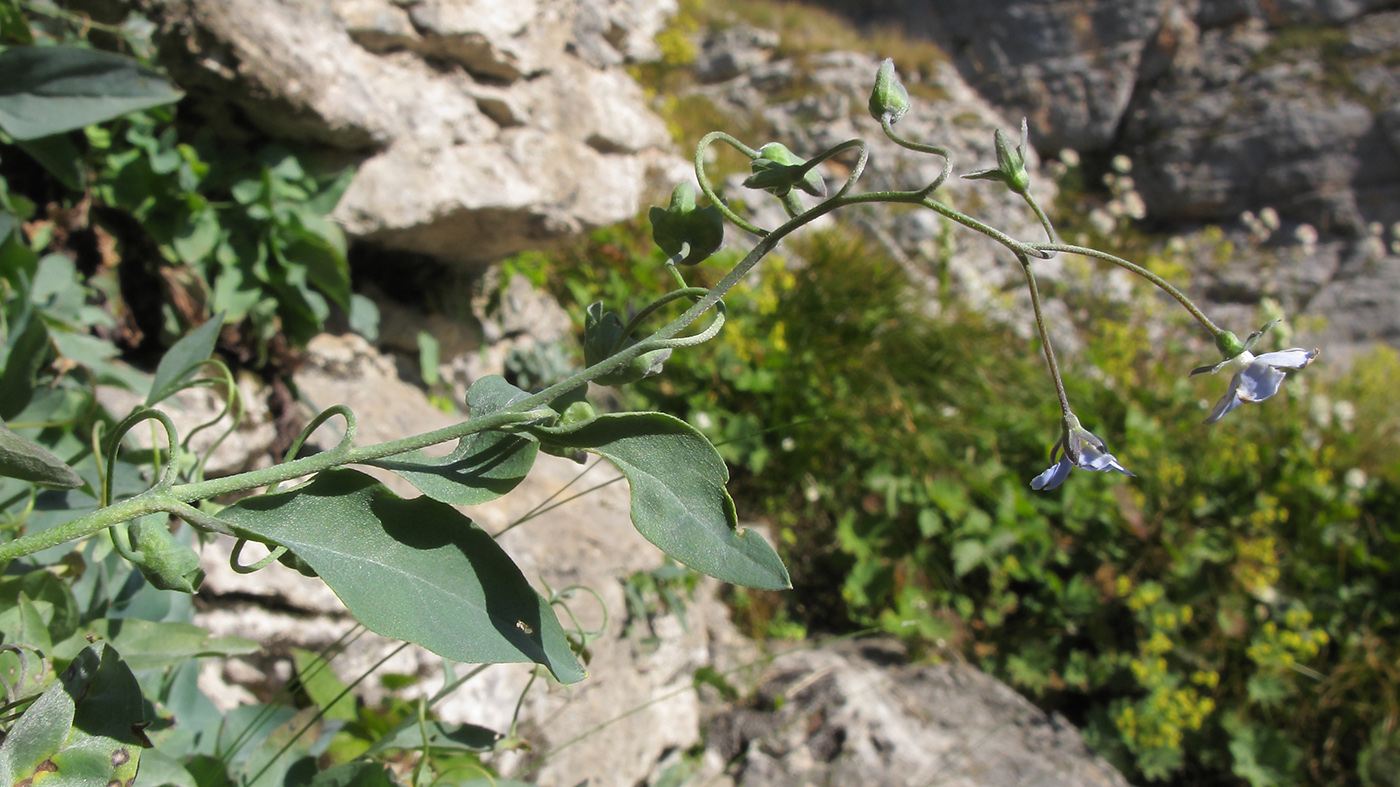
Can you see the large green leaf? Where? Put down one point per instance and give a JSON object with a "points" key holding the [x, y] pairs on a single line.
{"points": [[184, 357], [284, 756], [49, 90], [410, 734], [150, 644], [415, 569], [679, 501], [84, 730], [26, 461], [355, 774], [484, 466], [25, 353]]}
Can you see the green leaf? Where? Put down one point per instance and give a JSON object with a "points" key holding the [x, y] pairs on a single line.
{"points": [[284, 756], [457, 737], [1269, 688], [60, 157], [49, 90], [1262, 754], [679, 502], [320, 683], [151, 644], [159, 769], [26, 352], [482, 468], [429, 357], [182, 359], [196, 239], [84, 730], [364, 317], [967, 555], [416, 570], [44, 586], [355, 774], [26, 461], [25, 624]]}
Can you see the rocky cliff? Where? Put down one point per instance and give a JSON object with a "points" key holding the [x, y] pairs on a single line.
{"points": [[1225, 107]]}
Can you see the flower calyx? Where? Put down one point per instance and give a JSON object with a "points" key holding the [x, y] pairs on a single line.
{"points": [[604, 336], [1011, 163], [889, 100], [1077, 447], [688, 234], [778, 171]]}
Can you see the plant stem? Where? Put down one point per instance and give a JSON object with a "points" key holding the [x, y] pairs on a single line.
{"points": [[1165, 285], [1045, 337]]}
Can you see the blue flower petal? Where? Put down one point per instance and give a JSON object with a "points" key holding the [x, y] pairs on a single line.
{"points": [[1053, 476]]}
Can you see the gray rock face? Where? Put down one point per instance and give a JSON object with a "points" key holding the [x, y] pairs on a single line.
{"points": [[851, 713], [1224, 106], [1249, 118], [486, 127], [1069, 67]]}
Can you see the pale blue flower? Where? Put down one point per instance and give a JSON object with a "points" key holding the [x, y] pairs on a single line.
{"points": [[1081, 448], [1257, 377]]}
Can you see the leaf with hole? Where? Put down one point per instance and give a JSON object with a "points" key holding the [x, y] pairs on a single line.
{"points": [[85, 729]]}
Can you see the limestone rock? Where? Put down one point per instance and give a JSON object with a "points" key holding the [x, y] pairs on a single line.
{"points": [[1250, 119], [485, 128], [853, 713]]}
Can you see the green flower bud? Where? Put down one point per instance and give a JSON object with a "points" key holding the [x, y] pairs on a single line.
{"points": [[778, 171], [1011, 163], [682, 223], [167, 564], [889, 98], [603, 338]]}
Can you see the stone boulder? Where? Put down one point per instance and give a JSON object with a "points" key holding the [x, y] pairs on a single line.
{"points": [[856, 713], [1249, 117], [481, 128]]}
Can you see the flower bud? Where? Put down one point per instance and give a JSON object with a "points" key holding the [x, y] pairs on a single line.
{"points": [[778, 170], [603, 338], [682, 224], [889, 98], [1011, 163], [167, 564]]}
